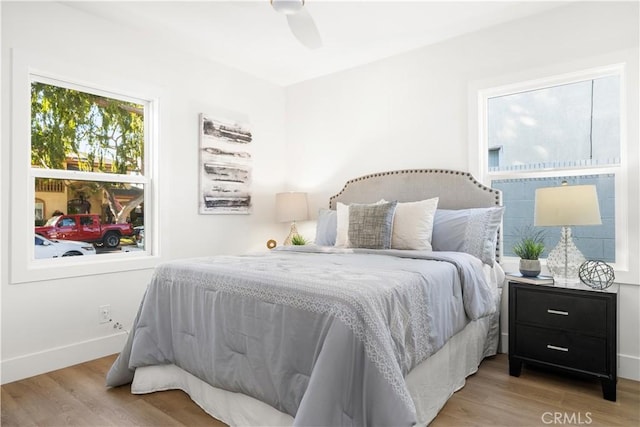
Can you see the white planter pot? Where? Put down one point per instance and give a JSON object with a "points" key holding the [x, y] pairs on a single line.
{"points": [[530, 267]]}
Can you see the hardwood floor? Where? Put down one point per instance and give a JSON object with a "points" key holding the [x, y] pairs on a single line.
{"points": [[537, 398], [76, 396]]}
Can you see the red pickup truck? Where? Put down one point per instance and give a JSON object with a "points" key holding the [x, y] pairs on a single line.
{"points": [[84, 228]]}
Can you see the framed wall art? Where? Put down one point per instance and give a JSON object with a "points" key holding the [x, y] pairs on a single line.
{"points": [[225, 166]]}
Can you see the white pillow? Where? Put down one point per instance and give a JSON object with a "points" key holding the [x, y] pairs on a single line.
{"points": [[342, 228], [413, 225]]}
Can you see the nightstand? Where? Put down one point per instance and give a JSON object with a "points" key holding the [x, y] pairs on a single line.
{"points": [[569, 328]]}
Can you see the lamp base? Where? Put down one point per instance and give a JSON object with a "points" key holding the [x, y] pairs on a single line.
{"points": [[565, 259], [293, 232]]}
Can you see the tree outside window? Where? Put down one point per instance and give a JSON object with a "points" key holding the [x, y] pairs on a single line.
{"points": [[87, 151]]}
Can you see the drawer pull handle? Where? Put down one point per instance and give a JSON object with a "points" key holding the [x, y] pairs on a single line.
{"points": [[554, 347], [563, 313]]}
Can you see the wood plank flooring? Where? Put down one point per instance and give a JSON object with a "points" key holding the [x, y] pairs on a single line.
{"points": [[537, 398], [76, 396]]}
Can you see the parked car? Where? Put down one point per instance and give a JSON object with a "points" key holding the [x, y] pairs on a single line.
{"points": [[45, 248], [85, 228]]}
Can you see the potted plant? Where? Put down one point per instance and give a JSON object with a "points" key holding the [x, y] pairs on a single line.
{"points": [[298, 240], [529, 249]]}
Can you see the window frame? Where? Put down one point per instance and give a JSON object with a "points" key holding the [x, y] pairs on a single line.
{"points": [[620, 171], [26, 68]]}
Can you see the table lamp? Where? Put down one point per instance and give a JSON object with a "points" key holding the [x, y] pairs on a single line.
{"points": [[291, 207], [566, 206]]}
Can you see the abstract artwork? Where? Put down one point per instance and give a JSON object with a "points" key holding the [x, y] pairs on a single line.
{"points": [[225, 166]]}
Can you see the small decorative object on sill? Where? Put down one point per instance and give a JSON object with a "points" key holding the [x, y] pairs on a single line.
{"points": [[596, 274], [271, 244]]}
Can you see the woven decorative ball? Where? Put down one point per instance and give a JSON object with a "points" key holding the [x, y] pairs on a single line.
{"points": [[596, 274]]}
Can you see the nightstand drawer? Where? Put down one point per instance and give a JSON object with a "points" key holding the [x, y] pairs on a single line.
{"points": [[567, 312], [562, 348]]}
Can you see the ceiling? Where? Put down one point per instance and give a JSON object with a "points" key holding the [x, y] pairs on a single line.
{"points": [[252, 37]]}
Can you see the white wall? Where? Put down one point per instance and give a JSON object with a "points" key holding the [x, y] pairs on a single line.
{"points": [[413, 111], [52, 324]]}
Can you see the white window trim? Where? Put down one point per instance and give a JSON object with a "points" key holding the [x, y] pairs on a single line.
{"points": [[478, 155], [25, 67]]}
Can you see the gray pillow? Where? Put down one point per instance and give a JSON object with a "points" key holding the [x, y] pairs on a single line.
{"points": [[371, 226], [326, 227], [474, 231]]}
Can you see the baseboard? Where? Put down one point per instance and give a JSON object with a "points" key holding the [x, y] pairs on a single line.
{"points": [[49, 360], [628, 366]]}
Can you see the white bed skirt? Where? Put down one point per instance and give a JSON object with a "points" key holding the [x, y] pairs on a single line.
{"points": [[431, 383]]}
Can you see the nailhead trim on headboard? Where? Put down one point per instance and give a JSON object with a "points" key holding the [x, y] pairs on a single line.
{"points": [[498, 198], [406, 171]]}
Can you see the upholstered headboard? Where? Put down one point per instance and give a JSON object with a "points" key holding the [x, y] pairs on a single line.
{"points": [[455, 190]]}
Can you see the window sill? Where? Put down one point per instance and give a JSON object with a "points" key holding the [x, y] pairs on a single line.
{"points": [[63, 268]]}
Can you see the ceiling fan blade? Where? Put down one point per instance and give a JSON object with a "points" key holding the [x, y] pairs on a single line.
{"points": [[305, 30]]}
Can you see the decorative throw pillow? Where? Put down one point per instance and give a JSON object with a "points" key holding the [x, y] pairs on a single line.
{"points": [[413, 225], [371, 226], [342, 233], [474, 231], [326, 227]]}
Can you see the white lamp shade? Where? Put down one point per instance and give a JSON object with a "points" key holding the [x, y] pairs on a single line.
{"points": [[567, 205], [291, 206]]}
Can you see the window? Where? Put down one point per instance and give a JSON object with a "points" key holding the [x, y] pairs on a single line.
{"points": [[86, 220], [88, 157], [67, 222], [540, 133], [90, 147]]}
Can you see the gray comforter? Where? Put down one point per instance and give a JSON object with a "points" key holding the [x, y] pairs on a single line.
{"points": [[324, 335]]}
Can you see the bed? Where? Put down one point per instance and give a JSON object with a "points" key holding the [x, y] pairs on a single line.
{"points": [[369, 330]]}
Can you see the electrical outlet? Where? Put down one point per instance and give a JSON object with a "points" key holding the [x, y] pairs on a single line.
{"points": [[104, 313]]}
